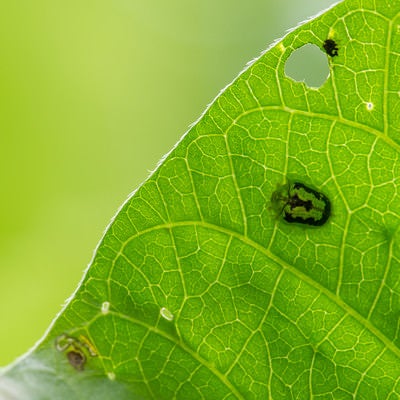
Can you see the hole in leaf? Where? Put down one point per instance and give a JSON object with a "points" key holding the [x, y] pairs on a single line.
{"points": [[370, 106], [308, 64]]}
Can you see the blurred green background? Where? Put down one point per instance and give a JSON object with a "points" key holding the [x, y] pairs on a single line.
{"points": [[93, 93]]}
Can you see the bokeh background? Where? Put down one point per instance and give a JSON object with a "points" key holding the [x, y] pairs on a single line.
{"points": [[92, 94]]}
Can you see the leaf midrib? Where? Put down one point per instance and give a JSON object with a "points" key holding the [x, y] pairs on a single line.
{"points": [[332, 296], [203, 362]]}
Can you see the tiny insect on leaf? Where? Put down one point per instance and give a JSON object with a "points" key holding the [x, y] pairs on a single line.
{"points": [[76, 350], [331, 47]]}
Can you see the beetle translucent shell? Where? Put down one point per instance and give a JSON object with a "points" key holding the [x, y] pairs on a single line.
{"points": [[299, 203]]}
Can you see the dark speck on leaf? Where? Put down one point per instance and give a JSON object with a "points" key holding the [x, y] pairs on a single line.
{"points": [[76, 359], [331, 47]]}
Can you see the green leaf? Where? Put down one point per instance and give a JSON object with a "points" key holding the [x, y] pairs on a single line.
{"points": [[199, 291]]}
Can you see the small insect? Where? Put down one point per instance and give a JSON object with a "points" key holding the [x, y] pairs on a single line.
{"points": [[298, 203], [331, 47], [75, 349]]}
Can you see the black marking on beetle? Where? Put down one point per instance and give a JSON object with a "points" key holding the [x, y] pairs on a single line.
{"points": [[298, 203], [331, 47]]}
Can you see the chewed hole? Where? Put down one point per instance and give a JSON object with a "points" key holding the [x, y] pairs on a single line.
{"points": [[308, 64], [370, 106]]}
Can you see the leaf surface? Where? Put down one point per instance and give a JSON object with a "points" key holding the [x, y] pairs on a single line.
{"points": [[199, 291]]}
